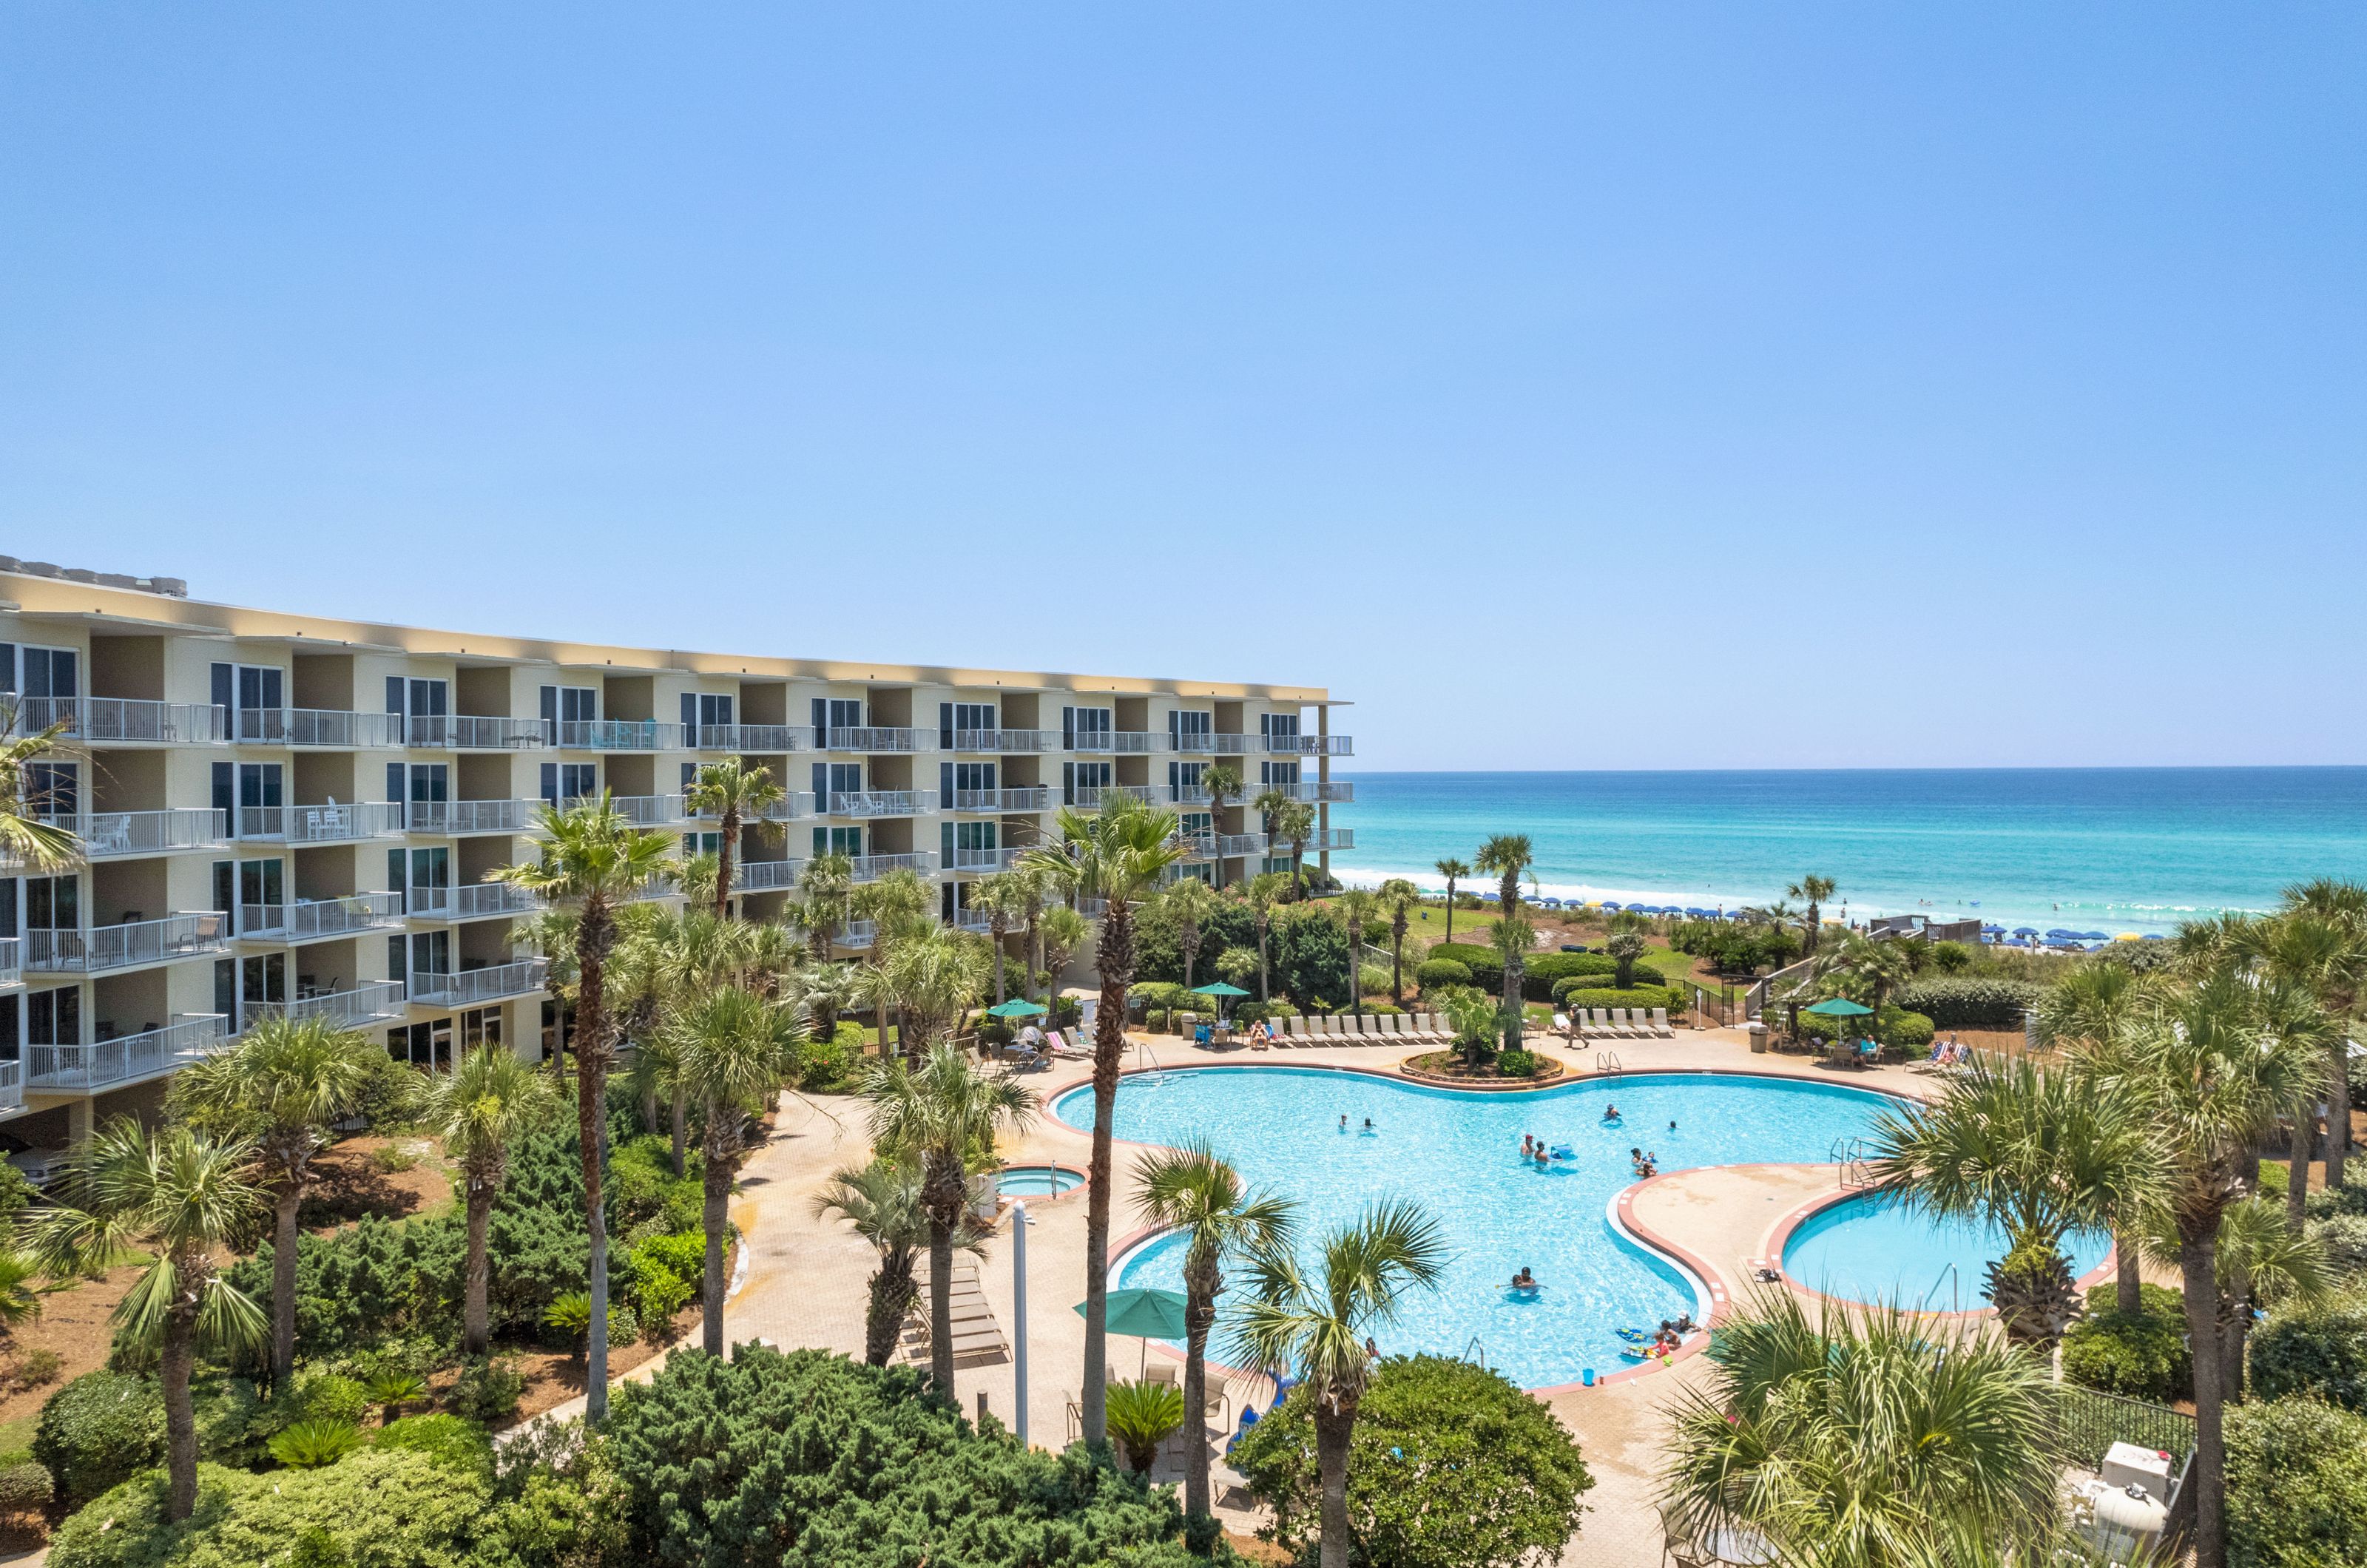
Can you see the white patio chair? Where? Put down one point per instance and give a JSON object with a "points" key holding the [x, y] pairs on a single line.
{"points": [[1660, 1024], [1598, 1023]]}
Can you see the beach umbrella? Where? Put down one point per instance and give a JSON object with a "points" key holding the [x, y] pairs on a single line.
{"points": [[1149, 1315], [2091, 936], [1841, 1007], [2155, 936], [1015, 1008], [2025, 930], [1220, 992], [1612, 906], [2000, 929], [2126, 936]]}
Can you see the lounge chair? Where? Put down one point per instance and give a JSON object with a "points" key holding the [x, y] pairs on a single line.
{"points": [[1297, 1029], [1598, 1023], [1660, 1024], [1436, 1027], [1620, 1025], [1561, 1024], [1395, 1024], [1058, 1044]]}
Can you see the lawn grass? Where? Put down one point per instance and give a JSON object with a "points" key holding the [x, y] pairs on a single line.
{"points": [[17, 1436]]}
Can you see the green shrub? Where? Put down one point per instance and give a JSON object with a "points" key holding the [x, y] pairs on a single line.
{"points": [[2317, 1350], [1451, 1467], [1969, 1001], [487, 1391], [728, 1461], [2142, 1356], [24, 1487], [1310, 955], [1894, 1027], [659, 1293], [832, 1066], [446, 1439], [2350, 1198], [1645, 996], [2344, 1237], [378, 1508], [1517, 1064], [683, 1255], [2296, 1486], [1141, 1416], [15, 1193], [316, 1442], [99, 1431], [1441, 972], [324, 1396]]}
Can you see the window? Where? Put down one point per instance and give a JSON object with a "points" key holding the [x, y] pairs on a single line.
{"points": [[261, 896], [431, 953], [956, 779], [226, 989], [836, 778], [257, 696], [53, 789], [1279, 727], [702, 712], [701, 844], [11, 1028], [563, 705], [431, 880], [1184, 777], [51, 683], [1085, 729], [836, 713], [565, 783], [264, 979], [1077, 777], [838, 841], [52, 903], [1270, 772], [480, 1026], [424, 705], [54, 1017], [7, 907], [1196, 822], [258, 815], [958, 723], [690, 776], [1189, 728]]}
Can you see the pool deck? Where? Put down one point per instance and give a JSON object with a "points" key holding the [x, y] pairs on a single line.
{"points": [[806, 1275]]}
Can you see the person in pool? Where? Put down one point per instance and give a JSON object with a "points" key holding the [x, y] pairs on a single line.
{"points": [[1344, 1121], [1525, 1280], [1528, 1145], [1611, 1113], [1369, 1128]]}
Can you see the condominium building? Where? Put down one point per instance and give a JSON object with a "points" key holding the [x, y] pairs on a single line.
{"points": [[283, 814]]}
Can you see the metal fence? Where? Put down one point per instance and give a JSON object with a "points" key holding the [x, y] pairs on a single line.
{"points": [[2094, 1421]]}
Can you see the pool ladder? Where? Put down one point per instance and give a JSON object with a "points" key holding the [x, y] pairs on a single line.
{"points": [[1955, 1284], [1608, 1062], [1470, 1344], [1848, 1156]]}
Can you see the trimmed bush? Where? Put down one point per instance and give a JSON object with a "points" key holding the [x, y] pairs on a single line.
{"points": [[1450, 1467], [1966, 1001], [2143, 1356], [1645, 996], [1517, 1064], [97, 1432], [2344, 1237], [2296, 1486], [448, 1440], [832, 1066], [23, 1486], [2320, 1351], [488, 1391], [1434, 972]]}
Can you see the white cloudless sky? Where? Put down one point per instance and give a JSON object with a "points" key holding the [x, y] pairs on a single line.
{"points": [[1571, 386]]}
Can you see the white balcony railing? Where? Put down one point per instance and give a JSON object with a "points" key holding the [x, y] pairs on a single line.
{"points": [[128, 1057], [1001, 859], [337, 728], [1000, 739], [333, 823], [1313, 791], [974, 922], [1130, 742], [880, 802], [612, 734], [310, 919], [875, 738], [1037, 798], [1329, 839], [369, 1002], [12, 960], [856, 933], [748, 739], [125, 721], [1307, 745], [474, 901], [120, 946], [765, 875], [471, 986], [1195, 846], [871, 868], [649, 810], [471, 732], [1189, 794], [1241, 844], [1221, 745], [469, 816], [12, 1085], [1092, 797], [792, 805], [109, 833]]}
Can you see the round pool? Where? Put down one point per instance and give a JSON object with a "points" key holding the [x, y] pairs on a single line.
{"points": [[1870, 1249], [1037, 1181], [1457, 1154]]}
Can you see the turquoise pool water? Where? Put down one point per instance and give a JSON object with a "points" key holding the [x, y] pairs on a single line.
{"points": [[1869, 1249], [1037, 1180], [1459, 1155]]}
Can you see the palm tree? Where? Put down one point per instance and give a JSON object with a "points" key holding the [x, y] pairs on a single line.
{"points": [[184, 1199], [935, 977], [480, 1109], [1190, 1190], [1062, 934], [1399, 897], [1318, 1326], [2086, 1012], [27, 836], [824, 990], [1223, 782], [1263, 893], [1509, 857], [1005, 897], [1118, 855], [279, 1089], [591, 860], [2210, 1074], [729, 1046], [738, 796], [1294, 821], [1814, 891], [2034, 1148], [1453, 871], [1625, 948], [825, 884], [1191, 904], [551, 933], [882, 1201], [1511, 937], [899, 905], [1867, 1439], [1035, 891], [1268, 806], [2344, 906], [1357, 906], [936, 1116], [2258, 1260]]}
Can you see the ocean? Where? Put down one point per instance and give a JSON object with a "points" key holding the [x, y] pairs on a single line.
{"points": [[2090, 848]]}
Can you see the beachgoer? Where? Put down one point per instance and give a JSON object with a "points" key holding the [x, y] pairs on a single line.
{"points": [[1368, 1124], [1611, 1113], [1672, 1126], [1528, 1146], [1344, 1121]]}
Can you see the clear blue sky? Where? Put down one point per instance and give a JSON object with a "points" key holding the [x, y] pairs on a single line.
{"points": [[1570, 386]]}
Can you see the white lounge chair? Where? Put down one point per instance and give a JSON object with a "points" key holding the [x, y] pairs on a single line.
{"points": [[1397, 1025], [1298, 1027], [1561, 1023], [1436, 1027], [1623, 1025], [1598, 1024], [1660, 1024]]}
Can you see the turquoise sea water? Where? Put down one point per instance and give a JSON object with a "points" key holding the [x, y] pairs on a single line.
{"points": [[1868, 1250], [1459, 1155], [2105, 849]]}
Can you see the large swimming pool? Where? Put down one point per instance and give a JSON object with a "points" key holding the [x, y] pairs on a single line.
{"points": [[1459, 1155]]}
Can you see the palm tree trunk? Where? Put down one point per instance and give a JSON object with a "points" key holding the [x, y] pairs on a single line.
{"points": [[941, 1303], [283, 1285], [2232, 1335], [1034, 949], [1397, 966], [2297, 1172], [180, 1415], [1199, 1316], [716, 1188], [681, 1132], [998, 964], [2128, 1296], [2338, 1120], [2198, 1266], [1265, 988], [476, 1317], [723, 861], [1332, 1430], [893, 1292], [1450, 910], [594, 932], [1117, 964]]}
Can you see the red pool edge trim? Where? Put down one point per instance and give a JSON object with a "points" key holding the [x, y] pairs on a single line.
{"points": [[1779, 1237]]}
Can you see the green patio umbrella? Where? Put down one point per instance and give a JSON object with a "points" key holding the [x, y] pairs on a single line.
{"points": [[1841, 1007], [1220, 993], [1152, 1314], [1016, 1007]]}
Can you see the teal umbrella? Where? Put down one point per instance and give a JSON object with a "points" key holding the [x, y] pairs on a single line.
{"points": [[1841, 1007], [1218, 989], [1016, 1007], [1154, 1315]]}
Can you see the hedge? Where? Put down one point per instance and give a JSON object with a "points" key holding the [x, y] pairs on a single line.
{"points": [[1435, 972], [2320, 1350], [2344, 1237], [2296, 1486], [1645, 996], [1963, 1001], [1539, 971], [2143, 1356]]}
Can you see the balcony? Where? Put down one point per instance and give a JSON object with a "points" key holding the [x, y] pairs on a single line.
{"points": [[1003, 739], [1307, 745], [12, 1085], [1331, 839], [102, 948], [1002, 859], [650, 810], [471, 732], [856, 934], [1036, 798], [765, 875], [1220, 745], [313, 920], [328, 824], [880, 803], [463, 817], [373, 1001], [1125, 742], [472, 988], [1313, 791], [333, 728], [974, 922], [106, 834], [747, 738], [612, 734], [12, 960], [56, 1069], [125, 721], [1195, 846], [871, 868], [1092, 797], [655, 888], [871, 738], [1229, 844], [794, 804], [474, 901]]}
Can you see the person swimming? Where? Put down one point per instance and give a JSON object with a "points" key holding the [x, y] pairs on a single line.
{"points": [[1525, 1280], [1344, 1121], [1370, 1129], [1611, 1113], [1528, 1145], [1672, 1126]]}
